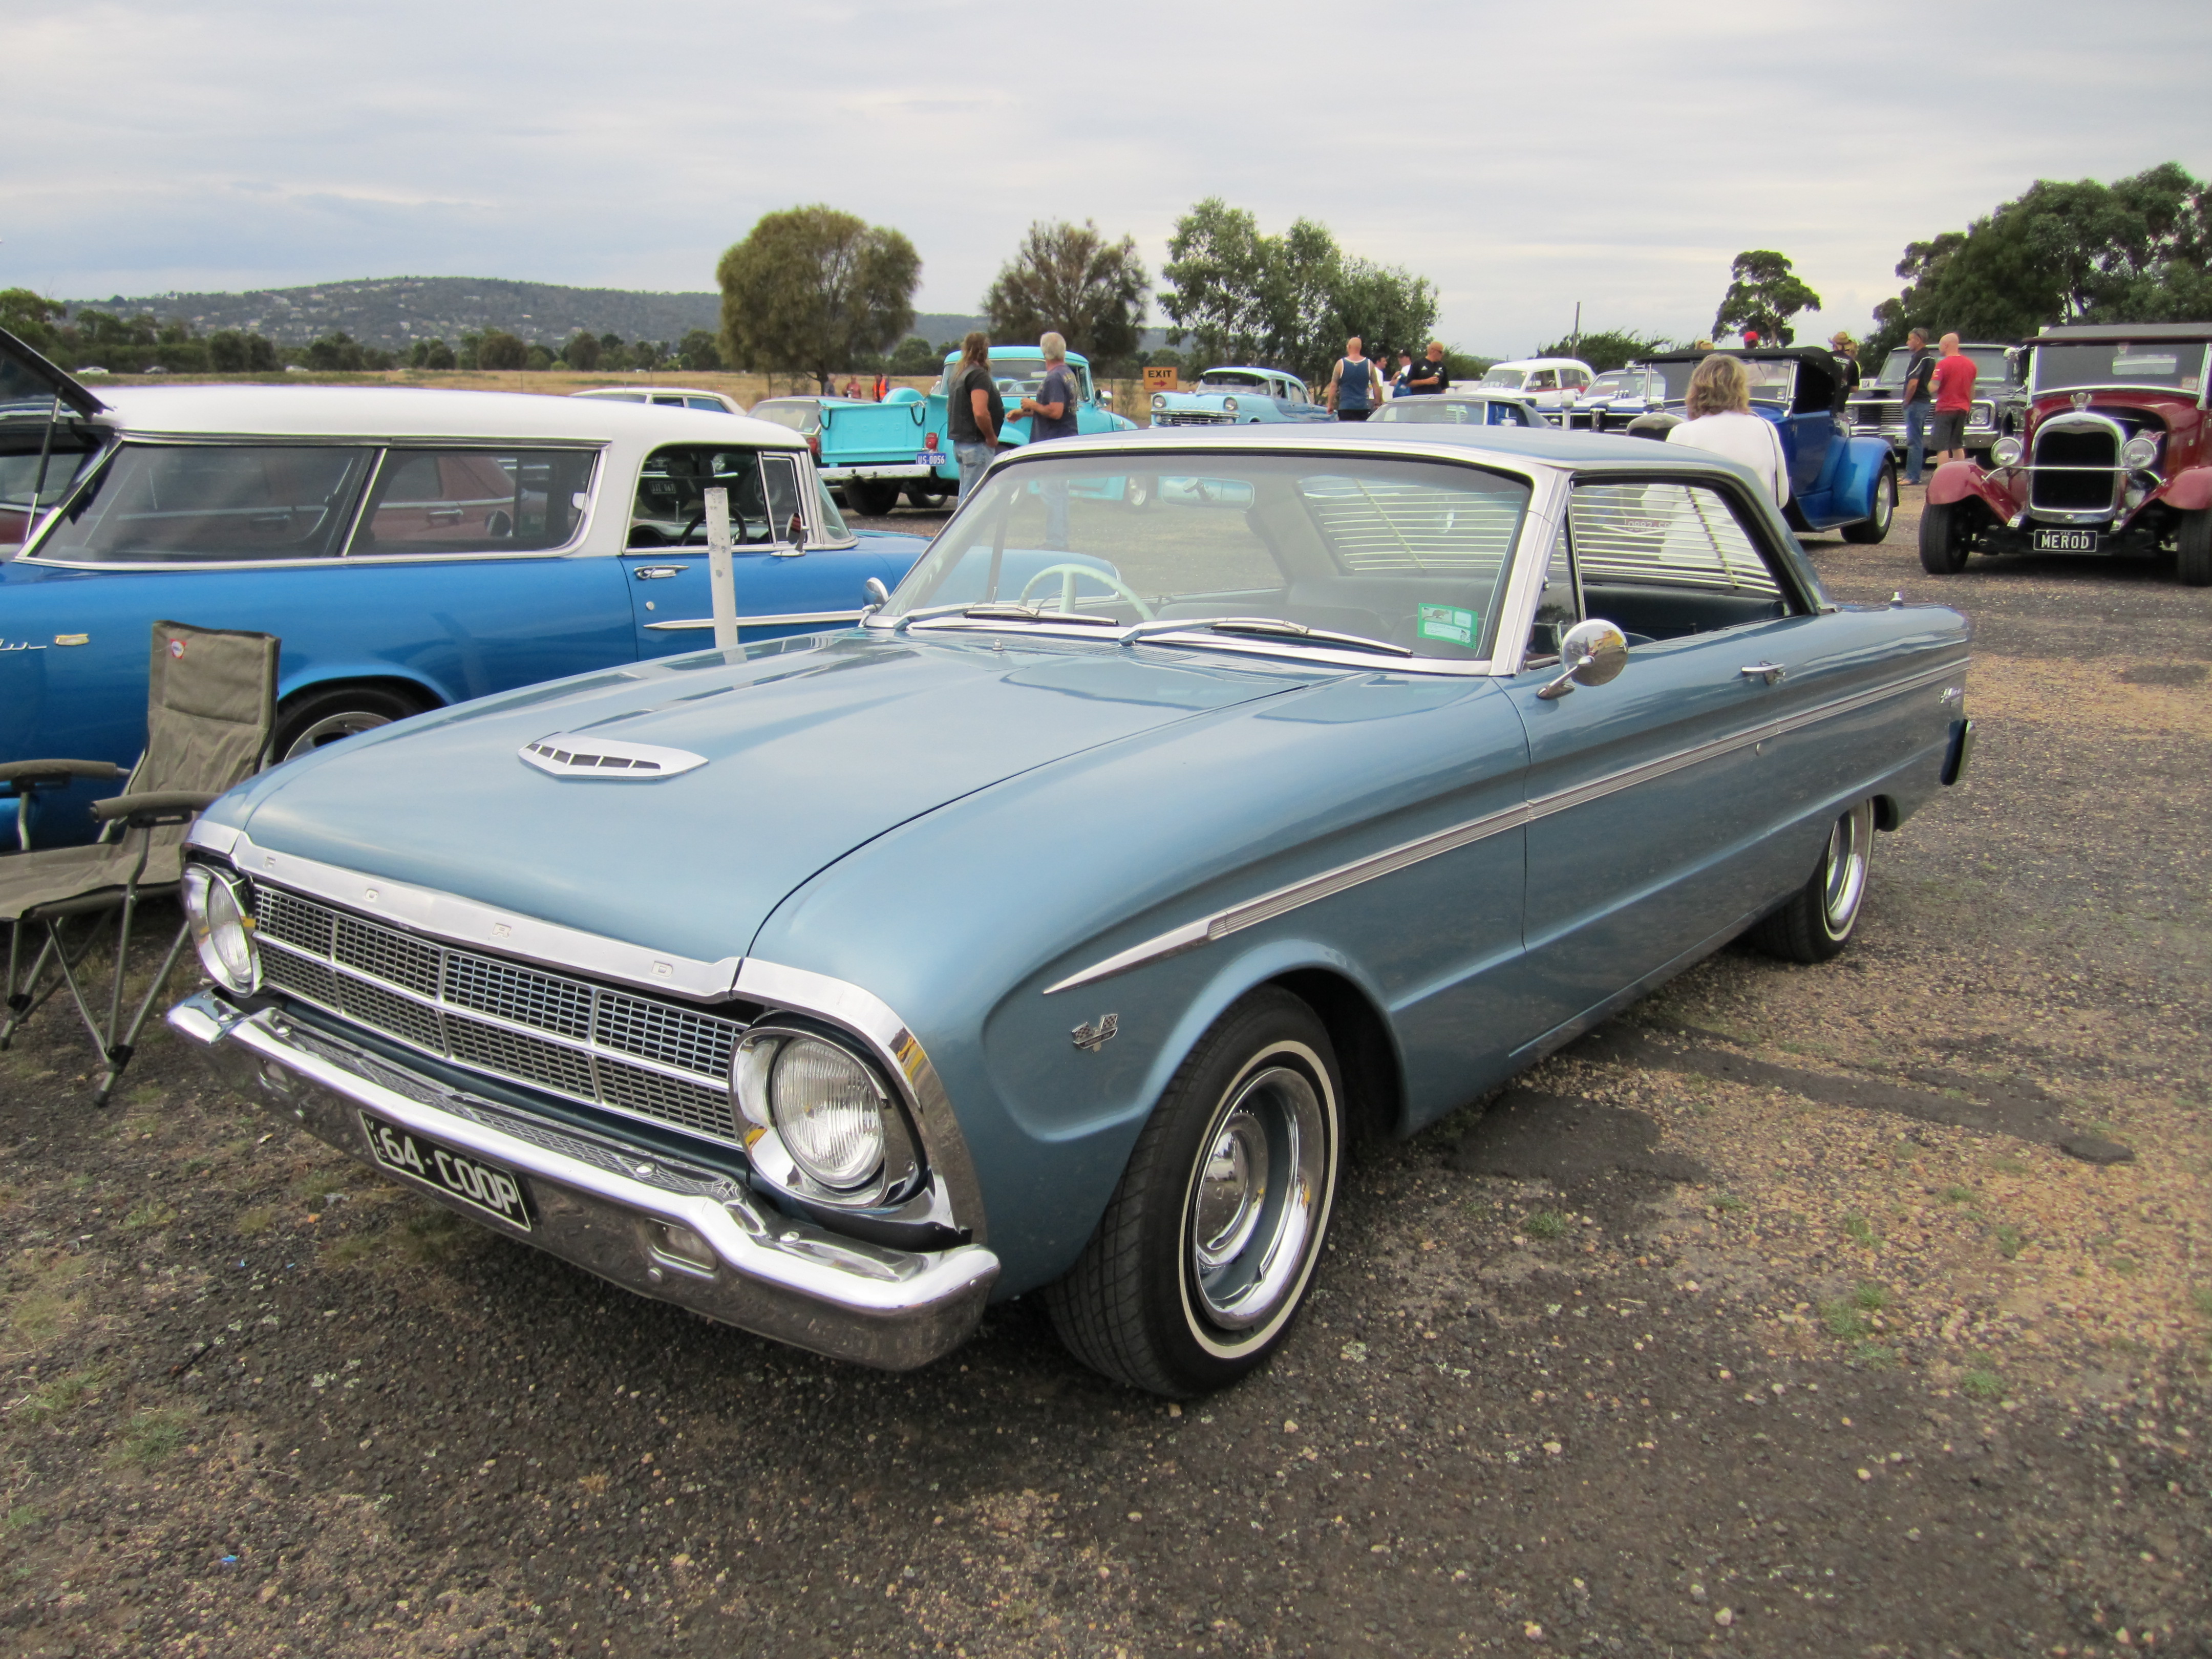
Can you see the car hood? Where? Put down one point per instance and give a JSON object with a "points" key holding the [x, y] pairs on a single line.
{"points": [[808, 752]]}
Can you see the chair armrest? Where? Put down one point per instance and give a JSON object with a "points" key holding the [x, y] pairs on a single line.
{"points": [[158, 808], [51, 774]]}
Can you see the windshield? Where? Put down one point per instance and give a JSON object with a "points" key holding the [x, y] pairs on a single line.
{"points": [[2176, 364], [1400, 554], [800, 414], [1511, 379], [1621, 383], [1991, 367], [1229, 379]]}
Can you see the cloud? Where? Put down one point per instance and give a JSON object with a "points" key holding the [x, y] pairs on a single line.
{"points": [[1522, 157]]}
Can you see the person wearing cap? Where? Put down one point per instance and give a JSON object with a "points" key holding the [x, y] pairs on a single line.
{"points": [[1847, 357]]}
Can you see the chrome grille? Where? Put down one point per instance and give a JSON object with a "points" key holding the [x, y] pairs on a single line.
{"points": [[1192, 417], [629, 1053]]}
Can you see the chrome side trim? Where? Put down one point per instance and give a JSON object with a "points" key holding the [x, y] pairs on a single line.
{"points": [[793, 619], [603, 1205], [1283, 900], [870, 1019], [465, 921]]}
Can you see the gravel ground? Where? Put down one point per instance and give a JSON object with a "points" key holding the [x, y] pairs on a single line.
{"points": [[1774, 1318]]}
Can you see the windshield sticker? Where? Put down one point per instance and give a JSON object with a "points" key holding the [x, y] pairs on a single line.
{"points": [[2190, 383], [1448, 624]]}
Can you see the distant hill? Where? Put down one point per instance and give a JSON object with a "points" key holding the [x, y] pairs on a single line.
{"points": [[393, 312]]}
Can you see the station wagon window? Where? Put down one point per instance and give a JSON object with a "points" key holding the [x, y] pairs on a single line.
{"points": [[671, 507], [1543, 379], [473, 500], [1405, 553], [1665, 560], [211, 503]]}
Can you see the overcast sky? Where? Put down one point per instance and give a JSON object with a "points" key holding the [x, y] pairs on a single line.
{"points": [[1522, 156]]}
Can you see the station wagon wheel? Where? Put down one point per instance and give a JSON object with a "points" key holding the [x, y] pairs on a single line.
{"points": [[1817, 921], [1947, 537], [1206, 1251], [1874, 527], [309, 720]]}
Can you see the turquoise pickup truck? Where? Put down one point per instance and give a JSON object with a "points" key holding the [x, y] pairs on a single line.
{"points": [[873, 451]]}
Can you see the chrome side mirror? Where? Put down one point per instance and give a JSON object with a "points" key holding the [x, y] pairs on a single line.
{"points": [[1593, 652], [878, 595]]}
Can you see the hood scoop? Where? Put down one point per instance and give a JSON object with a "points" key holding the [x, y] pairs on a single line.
{"points": [[609, 760]]}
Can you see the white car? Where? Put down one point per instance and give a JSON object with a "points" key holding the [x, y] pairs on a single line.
{"points": [[669, 397], [1544, 381]]}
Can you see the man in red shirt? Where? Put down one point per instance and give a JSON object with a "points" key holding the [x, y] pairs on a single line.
{"points": [[1954, 399]]}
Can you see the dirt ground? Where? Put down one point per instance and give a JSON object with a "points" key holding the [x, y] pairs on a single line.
{"points": [[1776, 1318]]}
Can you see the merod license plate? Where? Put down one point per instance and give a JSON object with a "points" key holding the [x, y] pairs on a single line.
{"points": [[479, 1185], [2066, 541]]}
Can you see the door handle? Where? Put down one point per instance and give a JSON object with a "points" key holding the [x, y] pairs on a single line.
{"points": [[1772, 673], [654, 573]]}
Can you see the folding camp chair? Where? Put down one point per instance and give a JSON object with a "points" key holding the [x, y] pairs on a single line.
{"points": [[211, 706]]}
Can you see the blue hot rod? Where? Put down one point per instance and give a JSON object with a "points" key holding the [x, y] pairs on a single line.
{"points": [[1838, 480], [1055, 929]]}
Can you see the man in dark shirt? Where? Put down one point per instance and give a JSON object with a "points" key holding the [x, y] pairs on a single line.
{"points": [[1919, 384], [973, 411], [1428, 376]]}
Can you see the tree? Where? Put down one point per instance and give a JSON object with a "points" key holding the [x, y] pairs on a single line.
{"points": [[1071, 280], [338, 353], [698, 351], [2136, 250], [1613, 349], [430, 354], [813, 289], [582, 353], [916, 356], [1763, 295], [498, 349], [28, 316], [537, 358], [1290, 300]]}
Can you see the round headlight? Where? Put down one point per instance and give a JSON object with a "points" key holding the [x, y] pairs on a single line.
{"points": [[2140, 452], [1159, 400], [829, 1109], [2006, 452], [1229, 404], [222, 925]]}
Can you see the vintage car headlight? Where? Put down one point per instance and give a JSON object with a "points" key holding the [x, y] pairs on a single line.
{"points": [[1159, 400], [221, 924], [825, 1105], [2006, 452], [1229, 405], [2140, 452]]}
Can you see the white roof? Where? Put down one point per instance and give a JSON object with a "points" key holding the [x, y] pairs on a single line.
{"points": [[381, 412], [1546, 362]]}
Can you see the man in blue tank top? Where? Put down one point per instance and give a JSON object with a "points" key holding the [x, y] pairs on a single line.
{"points": [[1354, 385]]}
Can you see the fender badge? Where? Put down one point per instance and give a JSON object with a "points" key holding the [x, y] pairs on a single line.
{"points": [[1094, 1037], [72, 639]]}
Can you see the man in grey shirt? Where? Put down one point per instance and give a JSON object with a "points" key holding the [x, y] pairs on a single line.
{"points": [[1052, 414]]}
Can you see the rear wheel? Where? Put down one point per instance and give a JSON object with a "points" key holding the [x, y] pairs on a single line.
{"points": [[2193, 549], [1875, 525], [1947, 537], [926, 497], [1817, 921], [1206, 1251], [313, 720], [870, 499]]}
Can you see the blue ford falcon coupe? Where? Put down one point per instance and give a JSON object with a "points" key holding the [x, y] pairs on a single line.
{"points": [[1054, 929], [412, 549]]}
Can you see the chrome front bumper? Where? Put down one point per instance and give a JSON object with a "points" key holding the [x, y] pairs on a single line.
{"points": [[607, 1207]]}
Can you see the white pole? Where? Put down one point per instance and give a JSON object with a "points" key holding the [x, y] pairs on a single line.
{"points": [[721, 579]]}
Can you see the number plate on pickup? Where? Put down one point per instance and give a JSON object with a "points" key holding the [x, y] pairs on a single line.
{"points": [[479, 1185], [2066, 541]]}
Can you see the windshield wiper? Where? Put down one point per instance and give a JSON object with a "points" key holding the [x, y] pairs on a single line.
{"points": [[1275, 627], [1008, 611]]}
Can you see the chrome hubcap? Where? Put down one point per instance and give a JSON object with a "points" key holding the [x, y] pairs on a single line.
{"points": [[1257, 1196], [1846, 866], [331, 729]]}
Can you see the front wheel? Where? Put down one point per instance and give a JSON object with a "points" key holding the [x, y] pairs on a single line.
{"points": [[869, 499], [1875, 525], [1817, 921], [1947, 537], [2193, 549], [1206, 1251]]}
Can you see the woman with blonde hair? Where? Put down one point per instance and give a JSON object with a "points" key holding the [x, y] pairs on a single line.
{"points": [[1720, 420]]}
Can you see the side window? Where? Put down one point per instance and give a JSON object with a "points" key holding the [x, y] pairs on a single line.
{"points": [[1544, 380], [780, 477], [667, 401], [1664, 560], [715, 403], [1559, 606], [474, 500], [212, 504], [669, 509]]}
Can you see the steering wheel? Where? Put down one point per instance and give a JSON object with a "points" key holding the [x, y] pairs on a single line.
{"points": [[689, 524], [1069, 572]]}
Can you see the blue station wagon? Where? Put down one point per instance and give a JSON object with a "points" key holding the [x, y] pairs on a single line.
{"points": [[1055, 929], [412, 549]]}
